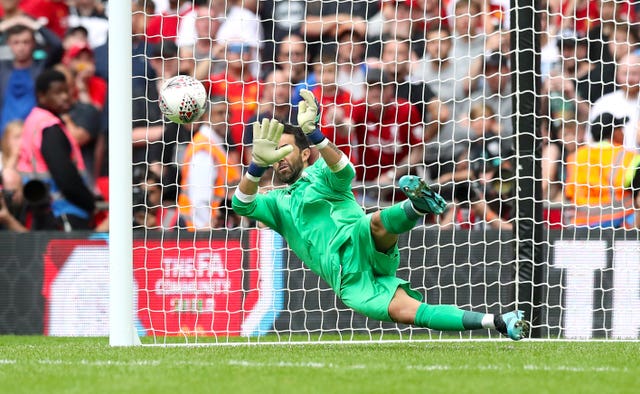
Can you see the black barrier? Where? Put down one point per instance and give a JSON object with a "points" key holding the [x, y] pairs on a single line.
{"points": [[590, 280], [21, 274]]}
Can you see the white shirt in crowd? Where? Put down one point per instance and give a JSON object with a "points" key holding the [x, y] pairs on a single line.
{"points": [[203, 171], [618, 105]]}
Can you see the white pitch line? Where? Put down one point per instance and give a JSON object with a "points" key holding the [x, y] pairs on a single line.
{"points": [[321, 365]]}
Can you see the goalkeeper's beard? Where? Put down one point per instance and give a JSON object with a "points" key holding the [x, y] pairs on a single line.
{"points": [[287, 172]]}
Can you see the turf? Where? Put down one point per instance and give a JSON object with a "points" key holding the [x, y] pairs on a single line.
{"points": [[89, 365]]}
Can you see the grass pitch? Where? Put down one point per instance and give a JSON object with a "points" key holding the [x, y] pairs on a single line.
{"points": [[89, 365]]}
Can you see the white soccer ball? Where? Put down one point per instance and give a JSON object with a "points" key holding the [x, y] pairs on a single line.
{"points": [[182, 99]]}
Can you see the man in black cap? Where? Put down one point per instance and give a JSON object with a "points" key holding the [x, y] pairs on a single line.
{"points": [[603, 181]]}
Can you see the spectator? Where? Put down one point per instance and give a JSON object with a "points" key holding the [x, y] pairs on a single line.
{"points": [[215, 123], [10, 145], [559, 143], [494, 90], [49, 154], [84, 123], [482, 183], [549, 52], [240, 87], [243, 25], [623, 102], [603, 180], [335, 104], [17, 76], [47, 42], [146, 116], [439, 70], [612, 14], [396, 62], [164, 26], [351, 65], [601, 78], [275, 103], [88, 88], [577, 14], [90, 14], [484, 200], [389, 133], [51, 13], [280, 19], [401, 20], [435, 13], [10, 205], [147, 201], [292, 57], [74, 37], [207, 175], [326, 20], [468, 44], [202, 47]]}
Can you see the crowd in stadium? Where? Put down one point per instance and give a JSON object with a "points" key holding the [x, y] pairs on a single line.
{"points": [[404, 85]]}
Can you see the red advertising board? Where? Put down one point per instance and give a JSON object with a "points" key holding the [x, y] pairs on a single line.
{"points": [[182, 286], [189, 289]]}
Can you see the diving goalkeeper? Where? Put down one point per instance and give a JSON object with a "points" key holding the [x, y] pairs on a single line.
{"points": [[355, 253]]}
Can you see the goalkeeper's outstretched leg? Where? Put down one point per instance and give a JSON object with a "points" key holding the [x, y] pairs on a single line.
{"points": [[402, 217], [408, 310]]}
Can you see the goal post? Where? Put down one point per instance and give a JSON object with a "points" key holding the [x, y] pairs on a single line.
{"points": [[121, 329], [529, 227]]}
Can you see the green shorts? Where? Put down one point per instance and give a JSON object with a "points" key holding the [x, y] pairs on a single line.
{"points": [[369, 279]]}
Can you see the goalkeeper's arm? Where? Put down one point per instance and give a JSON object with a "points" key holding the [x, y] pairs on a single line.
{"points": [[308, 117]]}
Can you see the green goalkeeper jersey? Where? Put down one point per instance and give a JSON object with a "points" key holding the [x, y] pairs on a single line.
{"points": [[315, 215]]}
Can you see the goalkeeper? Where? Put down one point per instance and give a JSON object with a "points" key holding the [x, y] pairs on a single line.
{"points": [[356, 254]]}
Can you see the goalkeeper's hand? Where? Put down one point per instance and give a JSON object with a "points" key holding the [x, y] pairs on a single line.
{"points": [[266, 138], [308, 114]]}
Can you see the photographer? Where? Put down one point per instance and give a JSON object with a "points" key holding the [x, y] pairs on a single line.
{"points": [[50, 160], [482, 183], [10, 201]]}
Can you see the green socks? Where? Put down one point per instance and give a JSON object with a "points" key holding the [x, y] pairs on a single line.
{"points": [[448, 318], [399, 218]]}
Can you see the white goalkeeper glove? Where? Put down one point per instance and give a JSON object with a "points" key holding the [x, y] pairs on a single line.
{"points": [[266, 138], [308, 114], [308, 119]]}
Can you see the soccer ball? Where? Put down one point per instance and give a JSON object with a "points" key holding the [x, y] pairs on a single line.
{"points": [[182, 99]]}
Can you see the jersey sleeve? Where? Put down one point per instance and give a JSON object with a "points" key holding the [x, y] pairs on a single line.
{"points": [[339, 180], [263, 209]]}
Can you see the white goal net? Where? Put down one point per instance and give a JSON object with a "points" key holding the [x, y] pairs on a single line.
{"points": [[543, 206]]}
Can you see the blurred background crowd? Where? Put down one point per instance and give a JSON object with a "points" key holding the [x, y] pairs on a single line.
{"points": [[405, 86]]}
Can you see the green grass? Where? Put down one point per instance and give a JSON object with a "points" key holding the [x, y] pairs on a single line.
{"points": [[89, 365]]}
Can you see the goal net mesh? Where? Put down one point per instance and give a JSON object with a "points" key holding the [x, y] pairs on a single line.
{"points": [[405, 87]]}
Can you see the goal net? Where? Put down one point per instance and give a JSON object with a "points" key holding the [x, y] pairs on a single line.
{"points": [[461, 92]]}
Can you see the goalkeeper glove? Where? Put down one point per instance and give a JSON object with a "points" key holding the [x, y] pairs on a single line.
{"points": [[266, 138], [309, 117]]}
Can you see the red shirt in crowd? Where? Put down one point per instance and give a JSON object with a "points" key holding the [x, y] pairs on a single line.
{"points": [[164, 26], [242, 97], [342, 99], [385, 139]]}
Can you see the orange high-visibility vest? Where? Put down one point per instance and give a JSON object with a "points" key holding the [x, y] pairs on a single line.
{"points": [[228, 175], [598, 180]]}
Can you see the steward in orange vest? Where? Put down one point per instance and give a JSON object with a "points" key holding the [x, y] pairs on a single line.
{"points": [[603, 178], [206, 176]]}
